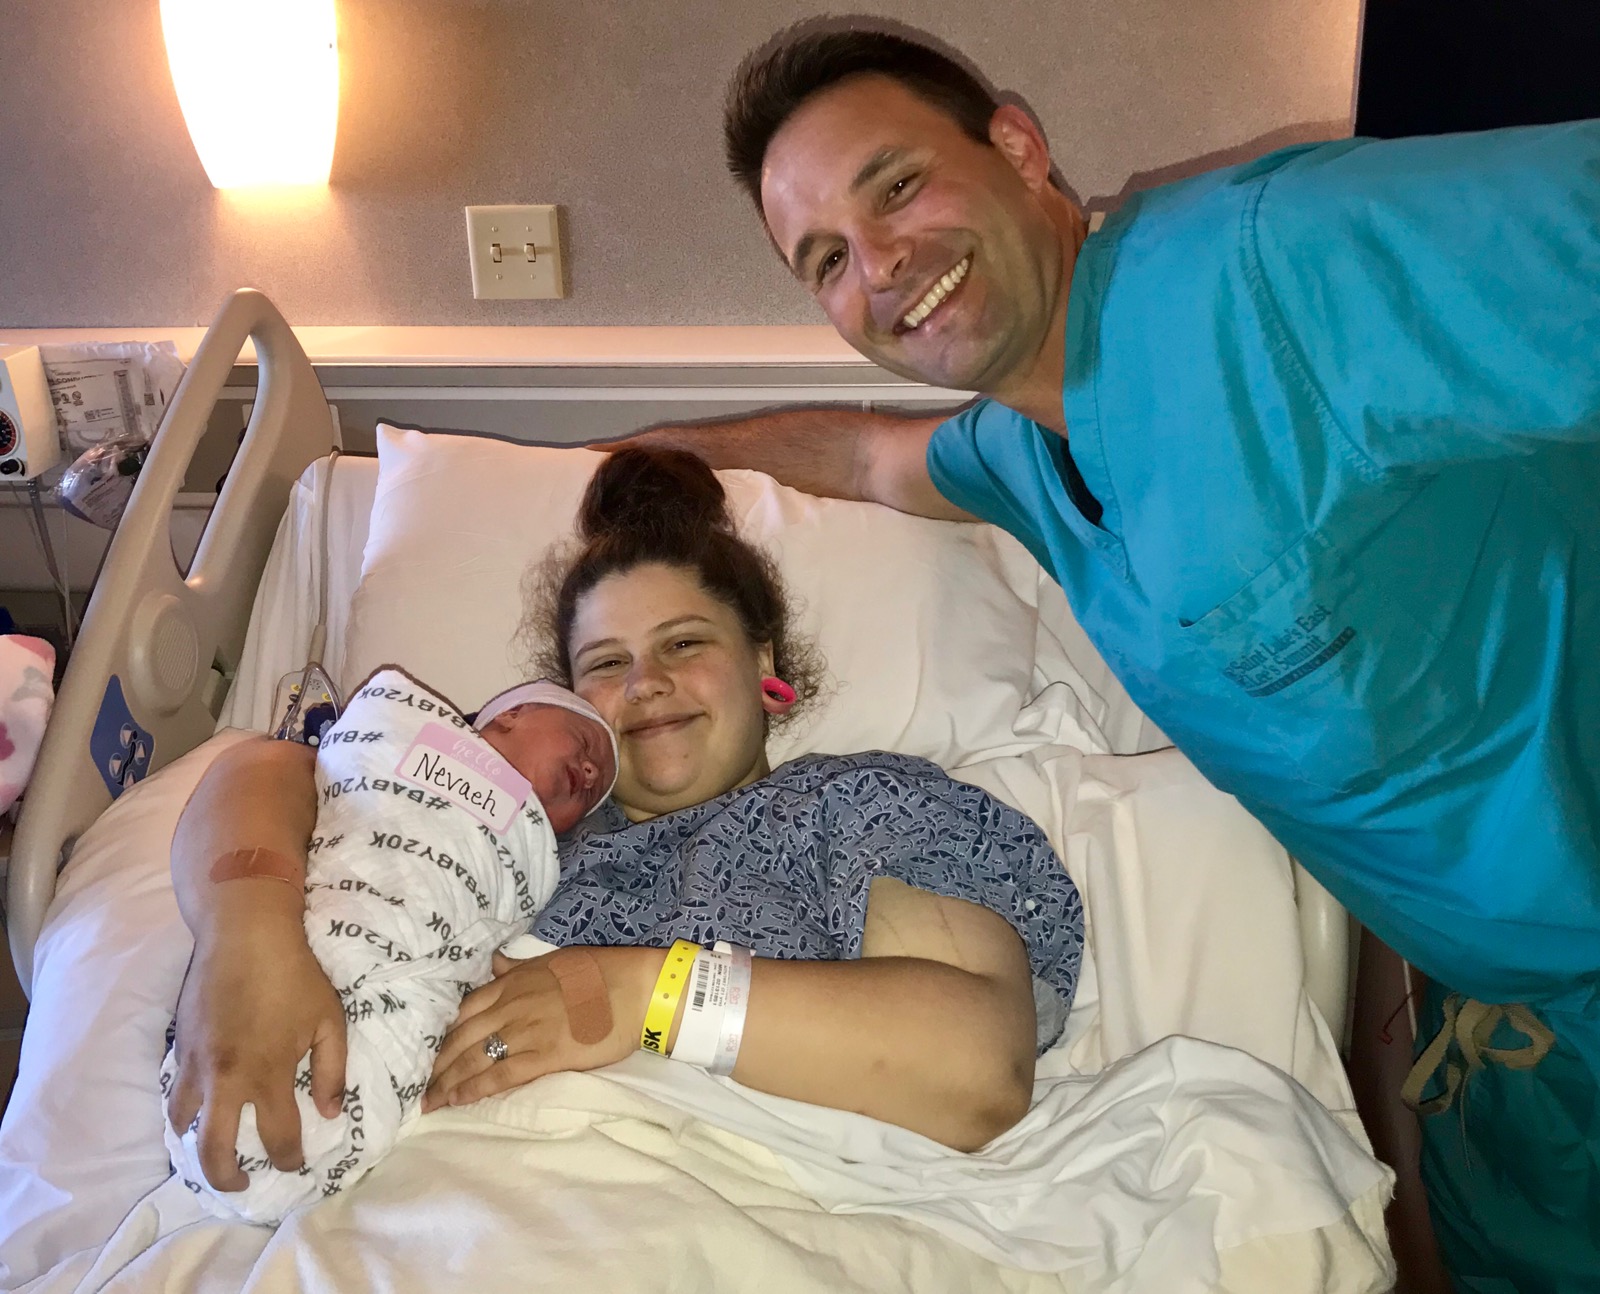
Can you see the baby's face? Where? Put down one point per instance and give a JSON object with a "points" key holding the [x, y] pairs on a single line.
{"points": [[566, 757]]}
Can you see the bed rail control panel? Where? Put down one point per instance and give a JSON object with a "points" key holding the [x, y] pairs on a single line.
{"points": [[119, 745]]}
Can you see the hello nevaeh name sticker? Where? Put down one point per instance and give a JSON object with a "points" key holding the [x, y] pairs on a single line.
{"points": [[468, 771]]}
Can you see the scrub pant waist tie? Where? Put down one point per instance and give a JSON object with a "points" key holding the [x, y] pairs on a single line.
{"points": [[1461, 1048]]}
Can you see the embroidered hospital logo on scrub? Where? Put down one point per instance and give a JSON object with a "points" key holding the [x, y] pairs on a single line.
{"points": [[1284, 658]]}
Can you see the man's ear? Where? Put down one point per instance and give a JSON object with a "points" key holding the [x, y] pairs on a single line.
{"points": [[1020, 141], [764, 658]]}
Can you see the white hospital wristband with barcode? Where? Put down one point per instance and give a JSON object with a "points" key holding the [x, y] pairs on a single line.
{"points": [[731, 1035], [712, 1026]]}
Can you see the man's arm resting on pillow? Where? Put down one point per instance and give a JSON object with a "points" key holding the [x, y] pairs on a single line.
{"points": [[932, 1029], [255, 998], [832, 453]]}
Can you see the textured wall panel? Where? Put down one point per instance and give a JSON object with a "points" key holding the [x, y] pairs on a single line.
{"points": [[610, 108]]}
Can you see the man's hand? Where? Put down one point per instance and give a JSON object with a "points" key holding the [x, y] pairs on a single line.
{"points": [[523, 1004], [250, 1008]]}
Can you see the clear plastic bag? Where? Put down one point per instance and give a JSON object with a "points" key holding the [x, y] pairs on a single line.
{"points": [[105, 391], [99, 482]]}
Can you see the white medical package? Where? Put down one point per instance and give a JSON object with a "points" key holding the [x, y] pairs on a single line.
{"points": [[110, 390]]}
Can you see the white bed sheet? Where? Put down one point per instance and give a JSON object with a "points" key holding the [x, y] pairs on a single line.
{"points": [[1146, 1202], [288, 597], [1192, 932], [596, 1188]]}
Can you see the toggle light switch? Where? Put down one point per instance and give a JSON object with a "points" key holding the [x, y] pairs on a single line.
{"points": [[515, 252]]}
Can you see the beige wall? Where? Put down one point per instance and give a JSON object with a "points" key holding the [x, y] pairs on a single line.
{"points": [[608, 107]]}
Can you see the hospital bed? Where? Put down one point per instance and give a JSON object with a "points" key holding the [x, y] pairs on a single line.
{"points": [[298, 548]]}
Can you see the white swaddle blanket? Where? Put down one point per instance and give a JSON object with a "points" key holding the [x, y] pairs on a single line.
{"points": [[407, 898]]}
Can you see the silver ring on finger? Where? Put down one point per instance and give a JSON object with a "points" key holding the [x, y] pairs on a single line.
{"points": [[494, 1047]]}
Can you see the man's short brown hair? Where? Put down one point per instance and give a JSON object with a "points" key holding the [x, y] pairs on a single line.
{"points": [[776, 79]]}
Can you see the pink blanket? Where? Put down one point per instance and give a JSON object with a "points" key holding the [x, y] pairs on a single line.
{"points": [[26, 667]]}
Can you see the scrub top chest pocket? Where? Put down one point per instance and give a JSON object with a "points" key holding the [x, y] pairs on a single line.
{"points": [[1320, 657]]}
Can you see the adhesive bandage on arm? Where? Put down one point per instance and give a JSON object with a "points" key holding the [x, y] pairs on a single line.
{"points": [[714, 1010], [583, 994], [245, 864]]}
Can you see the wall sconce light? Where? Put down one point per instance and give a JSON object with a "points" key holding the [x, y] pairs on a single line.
{"points": [[258, 81]]}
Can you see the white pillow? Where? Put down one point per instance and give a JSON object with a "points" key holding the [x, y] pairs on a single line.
{"points": [[931, 629]]}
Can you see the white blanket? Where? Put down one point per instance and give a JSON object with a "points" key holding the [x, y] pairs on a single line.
{"points": [[407, 898], [1170, 1157], [579, 1182]]}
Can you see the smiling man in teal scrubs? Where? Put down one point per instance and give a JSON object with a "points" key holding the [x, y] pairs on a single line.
{"points": [[1313, 446]]}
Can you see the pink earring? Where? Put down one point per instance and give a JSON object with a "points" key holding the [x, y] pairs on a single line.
{"points": [[777, 695]]}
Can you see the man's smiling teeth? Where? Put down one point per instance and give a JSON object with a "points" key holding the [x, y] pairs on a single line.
{"points": [[937, 293]]}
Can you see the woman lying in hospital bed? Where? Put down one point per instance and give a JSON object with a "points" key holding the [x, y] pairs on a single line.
{"points": [[881, 898], [1144, 1161]]}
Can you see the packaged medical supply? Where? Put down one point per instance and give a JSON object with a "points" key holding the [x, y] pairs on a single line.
{"points": [[99, 482], [106, 390]]}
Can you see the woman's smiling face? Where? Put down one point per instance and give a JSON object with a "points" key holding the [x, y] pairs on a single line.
{"points": [[674, 673]]}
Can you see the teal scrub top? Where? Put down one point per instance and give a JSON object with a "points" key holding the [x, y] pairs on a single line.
{"points": [[1340, 408]]}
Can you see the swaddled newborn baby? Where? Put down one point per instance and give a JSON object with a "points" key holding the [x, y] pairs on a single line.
{"points": [[434, 844]]}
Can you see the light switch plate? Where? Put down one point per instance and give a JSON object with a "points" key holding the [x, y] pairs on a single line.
{"points": [[515, 252]]}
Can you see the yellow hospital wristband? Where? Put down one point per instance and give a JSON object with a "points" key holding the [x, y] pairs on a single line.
{"points": [[665, 996]]}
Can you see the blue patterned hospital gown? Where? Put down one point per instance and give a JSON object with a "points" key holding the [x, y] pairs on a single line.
{"points": [[784, 865]]}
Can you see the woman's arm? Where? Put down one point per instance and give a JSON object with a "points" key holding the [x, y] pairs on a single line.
{"points": [[255, 998], [933, 1029]]}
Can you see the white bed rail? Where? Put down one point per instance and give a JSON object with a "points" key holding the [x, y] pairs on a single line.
{"points": [[157, 649]]}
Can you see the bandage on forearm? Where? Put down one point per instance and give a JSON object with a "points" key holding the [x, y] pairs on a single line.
{"points": [[246, 864], [583, 993]]}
